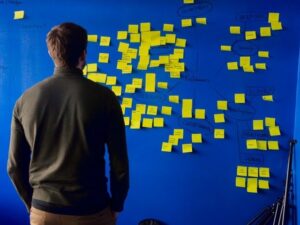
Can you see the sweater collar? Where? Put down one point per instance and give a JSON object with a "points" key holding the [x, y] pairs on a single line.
{"points": [[67, 71]]}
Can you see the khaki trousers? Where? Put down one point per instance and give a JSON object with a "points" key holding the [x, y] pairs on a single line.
{"points": [[39, 217]]}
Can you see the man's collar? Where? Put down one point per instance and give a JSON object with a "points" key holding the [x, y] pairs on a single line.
{"points": [[67, 71]]}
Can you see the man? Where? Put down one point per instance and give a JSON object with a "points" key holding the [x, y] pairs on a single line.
{"points": [[58, 135]]}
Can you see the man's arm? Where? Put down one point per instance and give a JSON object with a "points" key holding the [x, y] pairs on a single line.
{"points": [[19, 160], [117, 149]]}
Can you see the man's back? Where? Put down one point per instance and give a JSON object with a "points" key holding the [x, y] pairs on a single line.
{"points": [[67, 120]]}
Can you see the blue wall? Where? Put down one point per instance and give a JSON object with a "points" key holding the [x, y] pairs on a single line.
{"points": [[176, 188]]}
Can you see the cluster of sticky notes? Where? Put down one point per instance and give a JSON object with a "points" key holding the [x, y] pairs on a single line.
{"points": [[274, 21], [244, 63], [18, 15], [176, 136], [188, 22], [144, 40], [274, 130], [252, 178]]}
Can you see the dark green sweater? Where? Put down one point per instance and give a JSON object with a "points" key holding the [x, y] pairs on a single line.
{"points": [[58, 135]]}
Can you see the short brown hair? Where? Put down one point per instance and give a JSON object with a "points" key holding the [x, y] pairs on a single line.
{"points": [[65, 43]]}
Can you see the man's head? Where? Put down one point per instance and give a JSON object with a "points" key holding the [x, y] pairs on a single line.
{"points": [[67, 44]]}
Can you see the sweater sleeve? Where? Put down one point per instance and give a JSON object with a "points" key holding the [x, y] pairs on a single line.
{"points": [[19, 160], [117, 149]]}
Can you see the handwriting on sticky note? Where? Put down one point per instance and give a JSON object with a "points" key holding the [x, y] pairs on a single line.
{"points": [[225, 48], [273, 17], [239, 98], [166, 147], [117, 90], [200, 113], [174, 98], [152, 110], [187, 108], [166, 110], [92, 38], [219, 118], [201, 20], [258, 124], [232, 66], [122, 35], [240, 182], [264, 172], [274, 131], [263, 184], [150, 82], [103, 57], [187, 148], [250, 35], [222, 105], [252, 185], [270, 121], [219, 133], [104, 41], [262, 145], [158, 122], [268, 98], [179, 133], [263, 54], [186, 22], [242, 171], [147, 123], [251, 144], [197, 138], [252, 171], [273, 145], [265, 31]]}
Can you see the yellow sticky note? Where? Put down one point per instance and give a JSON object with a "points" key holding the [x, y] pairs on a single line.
{"points": [[166, 110], [135, 120], [261, 66], [141, 108], [273, 17], [263, 54], [262, 145], [248, 69], [252, 171], [173, 140], [239, 98], [152, 110], [92, 67], [111, 80], [104, 41], [274, 131], [180, 42], [117, 90], [158, 122], [135, 38], [263, 184], [270, 121], [92, 38], [122, 35], [268, 98], [258, 124], [245, 61], [170, 38], [129, 88], [150, 82], [137, 82], [179, 133], [187, 148], [133, 28], [240, 182], [232, 66], [250, 35], [174, 98], [154, 63], [103, 57], [18, 15], [201, 20], [166, 147], [273, 145], [200, 113], [186, 22], [123, 47], [188, 1], [264, 172], [197, 138], [187, 108], [164, 59], [147, 123], [265, 31], [235, 29], [168, 27], [251, 144], [97, 77], [219, 118], [145, 27], [219, 134], [126, 120], [222, 105], [225, 48], [252, 185], [276, 26], [127, 102], [242, 171]]}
